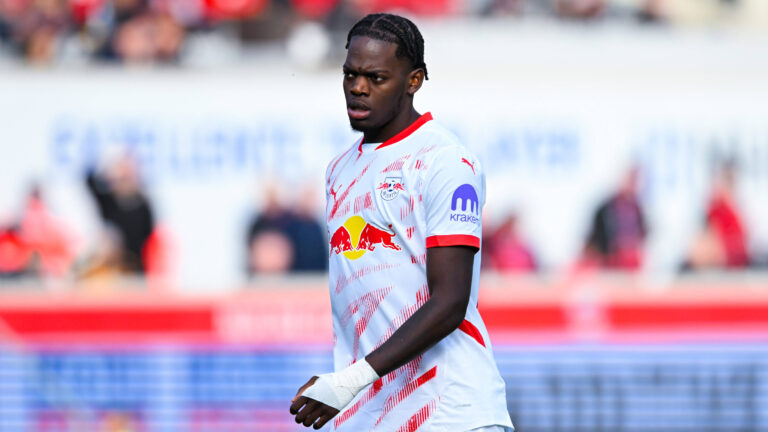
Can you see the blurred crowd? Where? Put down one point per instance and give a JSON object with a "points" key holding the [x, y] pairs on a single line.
{"points": [[618, 230], [130, 243], [281, 239], [156, 31]]}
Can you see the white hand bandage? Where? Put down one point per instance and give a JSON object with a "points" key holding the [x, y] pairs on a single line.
{"points": [[339, 388]]}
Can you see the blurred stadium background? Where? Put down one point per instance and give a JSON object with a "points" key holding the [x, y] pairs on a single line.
{"points": [[162, 248]]}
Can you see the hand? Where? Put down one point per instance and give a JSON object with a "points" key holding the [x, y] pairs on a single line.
{"points": [[312, 411]]}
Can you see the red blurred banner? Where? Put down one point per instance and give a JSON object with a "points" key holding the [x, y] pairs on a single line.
{"points": [[515, 310]]}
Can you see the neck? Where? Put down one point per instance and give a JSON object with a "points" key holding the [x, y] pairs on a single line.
{"points": [[401, 121]]}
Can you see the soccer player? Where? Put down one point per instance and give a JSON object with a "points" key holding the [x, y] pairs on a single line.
{"points": [[404, 208]]}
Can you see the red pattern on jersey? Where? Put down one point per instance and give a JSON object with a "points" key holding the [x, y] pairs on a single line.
{"points": [[336, 163], [409, 232], [369, 303], [422, 295], [342, 282], [394, 399], [364, 202], [421, 259], [407, 209], [470, 329], [373, 390], [410, 370], [426, 150], [345, 194], [397, 165], [418, 164], [344, 210], [419, 418]]}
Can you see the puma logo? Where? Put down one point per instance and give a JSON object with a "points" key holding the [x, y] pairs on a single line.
{"points": [[471, 165]]}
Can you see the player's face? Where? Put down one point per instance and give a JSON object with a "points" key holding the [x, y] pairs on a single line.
{"points": [[376, 85]]}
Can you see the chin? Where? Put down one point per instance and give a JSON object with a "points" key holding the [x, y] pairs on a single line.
{"points": [[359, 125]]}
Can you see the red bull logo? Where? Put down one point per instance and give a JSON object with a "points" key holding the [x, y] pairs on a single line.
{"points": [[364, 236]]}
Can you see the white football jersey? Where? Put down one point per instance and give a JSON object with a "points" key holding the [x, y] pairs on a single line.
{"points": [[386, 204]]}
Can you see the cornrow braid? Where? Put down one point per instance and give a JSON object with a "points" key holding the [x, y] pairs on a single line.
{"points": [[394, 29]]}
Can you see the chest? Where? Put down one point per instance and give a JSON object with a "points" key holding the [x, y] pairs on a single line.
{"points": [[381, 192]]}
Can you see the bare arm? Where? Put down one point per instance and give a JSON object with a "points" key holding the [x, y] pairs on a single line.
{"points": [[449, 277]]}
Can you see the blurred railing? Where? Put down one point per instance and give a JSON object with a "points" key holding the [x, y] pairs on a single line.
{"points": [[296, 310], [587, 352]]}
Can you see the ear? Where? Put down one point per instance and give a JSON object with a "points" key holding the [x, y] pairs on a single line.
{"points": [[415, 80]]}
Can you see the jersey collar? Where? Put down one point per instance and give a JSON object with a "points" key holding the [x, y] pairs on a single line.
{"points": [[403, 134]]}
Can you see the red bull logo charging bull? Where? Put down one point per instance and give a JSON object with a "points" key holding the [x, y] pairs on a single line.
{"points": [[356, 237]]}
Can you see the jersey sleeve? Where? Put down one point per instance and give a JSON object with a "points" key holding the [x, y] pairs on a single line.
{"points": [[454, 195]]}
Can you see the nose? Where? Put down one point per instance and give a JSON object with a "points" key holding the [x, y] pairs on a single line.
{"points": [[360, 86]]}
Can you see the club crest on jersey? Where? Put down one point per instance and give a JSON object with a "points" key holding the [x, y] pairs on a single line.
{"points": [[356, 237], [390, 188]]}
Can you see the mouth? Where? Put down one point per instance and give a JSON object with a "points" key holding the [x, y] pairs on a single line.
{"points": [[358, 111]]}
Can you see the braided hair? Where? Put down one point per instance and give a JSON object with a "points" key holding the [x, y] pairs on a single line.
{"points": [[394, 29]]}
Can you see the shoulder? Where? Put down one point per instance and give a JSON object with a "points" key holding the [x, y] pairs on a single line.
{"points": [[436, 134], [441, 148]]}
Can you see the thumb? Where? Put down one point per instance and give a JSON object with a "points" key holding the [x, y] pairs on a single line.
{"points": [[304, 387]]}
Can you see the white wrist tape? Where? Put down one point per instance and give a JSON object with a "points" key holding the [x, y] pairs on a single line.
{"points": [[339, 388]]}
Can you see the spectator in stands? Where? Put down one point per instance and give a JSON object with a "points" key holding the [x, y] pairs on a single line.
{"points": [[38, 244], [722, 243], [505, 250], [307, 235], [149, 38], [579, 9], [125, 209], [651, 12], [35, 27], [106, 261], [281, 240], [46, 236], [15, 257], [617, 236], [270, 249], [141, 33]]}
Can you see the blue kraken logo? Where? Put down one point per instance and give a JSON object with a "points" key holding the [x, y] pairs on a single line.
{"points": [[468, 197]]}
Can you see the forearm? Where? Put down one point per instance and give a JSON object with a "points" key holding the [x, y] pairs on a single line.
{"points": [[449, 277], [435, 320]]}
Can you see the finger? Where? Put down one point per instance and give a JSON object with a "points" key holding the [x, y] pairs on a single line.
{"points": [[311, 417], [296, 406], [311, 406], [325, 418], [304, 387]]}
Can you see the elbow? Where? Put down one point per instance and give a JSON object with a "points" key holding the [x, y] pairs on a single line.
{"points": [[455, 310]]}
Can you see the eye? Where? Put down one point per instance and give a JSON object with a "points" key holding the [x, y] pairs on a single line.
{"points": [[378, 78], [348, 75]]}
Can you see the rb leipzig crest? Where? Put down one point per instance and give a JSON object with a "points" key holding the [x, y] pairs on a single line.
{"points": [[390, 187]]}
